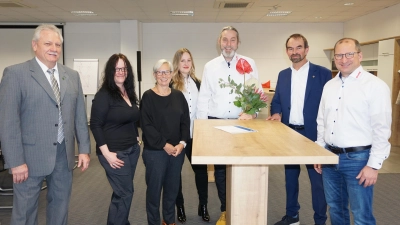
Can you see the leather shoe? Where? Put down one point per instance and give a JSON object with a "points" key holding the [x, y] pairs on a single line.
{"points": [[222, 219], [203, 212], [164, 223], [180, 213]]}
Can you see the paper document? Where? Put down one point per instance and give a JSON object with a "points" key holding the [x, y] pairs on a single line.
{"points": [[235, 129]]}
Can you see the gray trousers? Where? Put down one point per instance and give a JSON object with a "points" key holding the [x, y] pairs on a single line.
{"points": [[162, 173], [59, 185]]}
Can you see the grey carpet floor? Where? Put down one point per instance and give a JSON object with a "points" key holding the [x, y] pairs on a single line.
{"points": [[91, 195]]}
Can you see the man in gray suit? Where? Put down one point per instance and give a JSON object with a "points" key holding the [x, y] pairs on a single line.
{"points": [[42, 111]]}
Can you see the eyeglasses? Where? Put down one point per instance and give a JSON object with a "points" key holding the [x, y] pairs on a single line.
{"points": [[165, 72], [348, 55], [122, 69]]}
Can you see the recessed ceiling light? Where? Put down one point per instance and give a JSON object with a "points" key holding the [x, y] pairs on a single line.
{"points": [[348, 3], [278, 13], [181, 13], [82, 12], [85, 14]]}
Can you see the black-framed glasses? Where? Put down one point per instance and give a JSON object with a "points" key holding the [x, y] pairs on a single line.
{"points": [[122, 69], [165, 72], [348, 55]]}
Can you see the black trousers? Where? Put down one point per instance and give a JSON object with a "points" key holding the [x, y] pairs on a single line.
{"points": [[220, 180], [162, 175], [121, 181], [200, 176]]}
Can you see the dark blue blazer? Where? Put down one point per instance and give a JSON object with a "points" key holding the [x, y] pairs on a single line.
{"points": [[317, 77]]}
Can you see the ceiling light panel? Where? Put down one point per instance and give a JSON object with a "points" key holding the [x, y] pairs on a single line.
{"points": [[181, 13]]}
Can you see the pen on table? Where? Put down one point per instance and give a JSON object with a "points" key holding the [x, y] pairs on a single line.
{"points": [[244, 128]]}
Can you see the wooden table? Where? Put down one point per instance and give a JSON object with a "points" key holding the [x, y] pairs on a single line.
{"points": [[247, 157]]}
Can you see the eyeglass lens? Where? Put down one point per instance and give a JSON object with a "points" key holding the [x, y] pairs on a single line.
{"points": [[165, 72], [348, 55], [122, 69]]}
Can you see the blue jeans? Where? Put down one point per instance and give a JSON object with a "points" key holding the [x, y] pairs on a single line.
{"points": [[342, 188]]}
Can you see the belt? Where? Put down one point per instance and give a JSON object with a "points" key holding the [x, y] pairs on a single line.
{"points": [[338, 150], [296, 127]]}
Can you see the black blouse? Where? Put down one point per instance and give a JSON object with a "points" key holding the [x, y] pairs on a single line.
{"points": [[164, 119], [113, 122]]}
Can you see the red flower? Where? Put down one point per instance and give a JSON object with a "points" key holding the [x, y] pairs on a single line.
{"points": [[243, 67]]}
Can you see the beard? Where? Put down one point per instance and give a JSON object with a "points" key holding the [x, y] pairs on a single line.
{"points": [[228, 55], [296, 60]]}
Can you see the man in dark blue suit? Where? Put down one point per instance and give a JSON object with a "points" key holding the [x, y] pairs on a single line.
{"points": [[295, 103]]}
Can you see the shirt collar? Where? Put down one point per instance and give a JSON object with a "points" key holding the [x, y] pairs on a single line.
{"points": [[357, 73], [44, 67], [306, 66], [235, 58]]}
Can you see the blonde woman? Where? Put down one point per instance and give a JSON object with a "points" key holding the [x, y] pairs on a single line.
{"points": [[184, 79]]}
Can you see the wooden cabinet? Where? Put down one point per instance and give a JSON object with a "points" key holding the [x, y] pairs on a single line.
{"points": [[386, 62], [370, 57], [386, 47], [370, 52], [385, 69], [388, 67]]}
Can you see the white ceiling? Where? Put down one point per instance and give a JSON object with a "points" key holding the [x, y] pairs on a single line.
{"points": [[157, 11]]}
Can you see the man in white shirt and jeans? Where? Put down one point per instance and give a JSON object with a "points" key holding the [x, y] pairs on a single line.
{"points": [[354, 121], [215, 102]]}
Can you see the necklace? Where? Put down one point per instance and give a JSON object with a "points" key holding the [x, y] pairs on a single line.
{"points": [[155, 89]]}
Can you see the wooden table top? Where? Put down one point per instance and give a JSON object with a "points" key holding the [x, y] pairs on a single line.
{"points": [[273, 144]]}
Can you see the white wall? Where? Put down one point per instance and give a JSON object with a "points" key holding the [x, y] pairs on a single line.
{"points": [[16, 46], [91, 41], [382, 24], [264, 42]]}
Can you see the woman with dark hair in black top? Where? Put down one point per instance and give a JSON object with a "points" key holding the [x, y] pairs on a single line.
{"points": [[113, 123], [166, 130]]}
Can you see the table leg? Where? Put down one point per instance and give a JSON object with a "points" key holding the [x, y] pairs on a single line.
{"points": [[210, 172], [247, 194]]}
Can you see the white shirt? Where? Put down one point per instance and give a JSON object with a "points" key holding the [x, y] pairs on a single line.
{"points": [[44, 68], [356, 111], [298, 92], [191, 94], [216, 101]]}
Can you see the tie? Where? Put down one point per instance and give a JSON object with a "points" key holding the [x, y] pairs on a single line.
{"points": [[56, 89]]}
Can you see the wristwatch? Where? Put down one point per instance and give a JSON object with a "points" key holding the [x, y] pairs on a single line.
{"points": [[184, 143]]}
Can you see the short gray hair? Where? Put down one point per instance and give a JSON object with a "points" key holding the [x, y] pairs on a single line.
{"points": [[161, 62], [51, 27]]}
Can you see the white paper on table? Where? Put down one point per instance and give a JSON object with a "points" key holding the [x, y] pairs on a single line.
{"points": [[235, 129]]}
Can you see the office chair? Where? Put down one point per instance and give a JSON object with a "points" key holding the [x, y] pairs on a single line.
{"points": [[6, 181]]}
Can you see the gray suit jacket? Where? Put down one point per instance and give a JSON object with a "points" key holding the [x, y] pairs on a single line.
{"points": [[29, 117]]}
